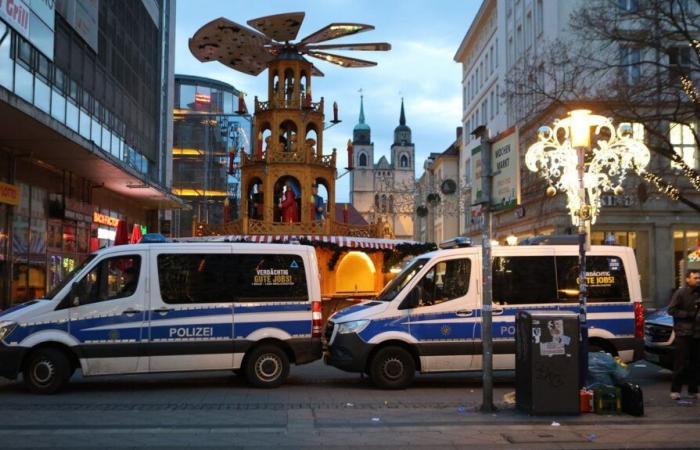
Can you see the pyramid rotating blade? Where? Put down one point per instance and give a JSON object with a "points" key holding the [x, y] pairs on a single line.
{"points": [[343, 61], [280, 27], [233, 45], [370, 47], [335, 31]]}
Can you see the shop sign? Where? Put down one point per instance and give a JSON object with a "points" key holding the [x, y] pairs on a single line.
{"points": [[103, 219], [617, 201], [16, 14], [104, 233], [76, 210], [10, 194]]}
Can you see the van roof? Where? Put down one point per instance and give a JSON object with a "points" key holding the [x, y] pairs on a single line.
{"points": [[236, 245], [528, 249]]}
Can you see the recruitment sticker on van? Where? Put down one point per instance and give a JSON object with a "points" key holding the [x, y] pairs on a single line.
{"points": [[273, 277]]}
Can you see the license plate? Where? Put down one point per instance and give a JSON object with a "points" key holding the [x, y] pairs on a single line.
{"points": [[653, 357]]}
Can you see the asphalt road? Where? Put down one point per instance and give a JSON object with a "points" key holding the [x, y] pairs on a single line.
{"points": [[321, 406]]}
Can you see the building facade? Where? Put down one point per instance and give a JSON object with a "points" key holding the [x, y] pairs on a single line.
{"points": [[437, 200], [210, 132], [85, 101], [505, 35], [384, 191]]}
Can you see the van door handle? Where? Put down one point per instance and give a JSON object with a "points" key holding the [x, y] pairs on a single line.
{"points": [[464, 312], [497, 312], [131, 312], [162, 311]]}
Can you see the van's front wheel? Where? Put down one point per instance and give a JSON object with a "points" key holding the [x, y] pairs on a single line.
{"points": [[392, 368], [46, 371], [267, 366]]}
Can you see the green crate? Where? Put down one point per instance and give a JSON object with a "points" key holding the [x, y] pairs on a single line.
{"points": [[607, 400]]}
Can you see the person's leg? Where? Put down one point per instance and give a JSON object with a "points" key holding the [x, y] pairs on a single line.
{"points": [[694, 366], [680, 358]]}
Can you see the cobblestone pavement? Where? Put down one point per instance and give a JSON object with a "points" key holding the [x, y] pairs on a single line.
{"points": [[321, 406]]}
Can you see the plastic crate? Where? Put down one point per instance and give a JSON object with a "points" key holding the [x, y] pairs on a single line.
{"points": [[607, 400]]}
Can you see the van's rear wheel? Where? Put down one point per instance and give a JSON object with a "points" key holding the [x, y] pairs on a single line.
{"points": [[267, 366], [392, 368], [46, 371]]}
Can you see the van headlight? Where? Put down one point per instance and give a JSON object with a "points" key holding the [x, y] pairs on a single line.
{"points": [[354, 326], [6, 328]]}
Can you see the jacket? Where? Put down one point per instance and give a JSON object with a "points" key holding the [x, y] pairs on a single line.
{"points": [[684, 310]]}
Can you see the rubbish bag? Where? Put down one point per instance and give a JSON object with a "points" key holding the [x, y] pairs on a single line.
{"points": [[603, 369]]}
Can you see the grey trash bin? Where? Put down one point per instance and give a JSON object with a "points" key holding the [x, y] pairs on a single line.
{"points": [[547, 362]]}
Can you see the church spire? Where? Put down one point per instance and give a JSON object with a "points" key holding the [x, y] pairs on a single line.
{"points": [[402, 119], [362, 109]]}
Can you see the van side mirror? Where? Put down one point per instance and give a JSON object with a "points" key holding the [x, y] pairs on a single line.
{"points": [[412, 299]]}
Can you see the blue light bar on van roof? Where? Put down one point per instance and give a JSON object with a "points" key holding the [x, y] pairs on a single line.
{"points": [[153, 238], [456, 242]]}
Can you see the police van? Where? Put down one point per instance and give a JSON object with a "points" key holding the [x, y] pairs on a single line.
{"points": [[428, 318], [164, 307]]}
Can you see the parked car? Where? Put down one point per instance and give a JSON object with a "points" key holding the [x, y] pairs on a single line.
{"points": [[145, 308], [658, 338]]}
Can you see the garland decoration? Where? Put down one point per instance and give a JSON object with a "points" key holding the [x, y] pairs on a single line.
{"points": [[391, 257]]}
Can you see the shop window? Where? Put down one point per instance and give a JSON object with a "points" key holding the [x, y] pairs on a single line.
{"points": [[686, 250], [445, 281], [682, 139], [111, 279], [69, 237], [606, 280], [6, 63], [524, 280], [37, 243], [24, 83], [58, 106]]}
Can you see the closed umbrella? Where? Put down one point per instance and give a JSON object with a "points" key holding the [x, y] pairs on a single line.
{"points": [[135, 235], [121, 237]]}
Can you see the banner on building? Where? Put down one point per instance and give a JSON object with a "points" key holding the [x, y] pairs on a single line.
{"points": [[82, 15], [505, 163], [33, 20], [505, 166]]}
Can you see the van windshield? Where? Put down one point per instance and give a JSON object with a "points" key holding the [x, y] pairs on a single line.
{"points": [[395, 286], [69, 277]]}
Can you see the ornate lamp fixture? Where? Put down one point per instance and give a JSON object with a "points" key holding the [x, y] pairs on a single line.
{"points": [[563, 156]]}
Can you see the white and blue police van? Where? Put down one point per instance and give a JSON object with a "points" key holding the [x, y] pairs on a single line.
{"points": [[164, 307], [428, 318]]}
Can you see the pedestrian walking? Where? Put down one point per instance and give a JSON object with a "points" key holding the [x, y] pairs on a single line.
{"points": [[684, 307]]}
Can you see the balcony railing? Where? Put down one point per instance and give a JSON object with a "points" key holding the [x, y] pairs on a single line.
{"points": [[277, 154], [259, 227], [288, 103]]}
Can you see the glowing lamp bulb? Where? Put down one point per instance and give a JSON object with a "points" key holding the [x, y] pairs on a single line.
{"points": [[580, 128]]}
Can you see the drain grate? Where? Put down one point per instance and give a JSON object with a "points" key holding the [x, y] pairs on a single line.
{"points": [[540, 437]]}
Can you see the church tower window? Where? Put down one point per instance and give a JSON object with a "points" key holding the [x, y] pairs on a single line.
{"points": [[404, 161], [363, 160]]}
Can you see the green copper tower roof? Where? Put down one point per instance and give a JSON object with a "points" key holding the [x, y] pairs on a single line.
{"points": [[361, 124]]}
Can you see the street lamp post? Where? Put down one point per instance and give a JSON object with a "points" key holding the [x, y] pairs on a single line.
{"points": [[563, 154]]}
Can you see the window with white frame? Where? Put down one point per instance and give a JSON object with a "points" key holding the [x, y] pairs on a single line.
{"points": [[539, 18], [498, 100], [630, 58], [495, 53], [682, 139], [492, 102], [492, 61], [528, 30]]}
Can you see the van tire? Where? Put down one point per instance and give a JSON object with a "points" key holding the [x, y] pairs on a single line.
{"points": [[392, 368], [267, 366], [46, 371]]}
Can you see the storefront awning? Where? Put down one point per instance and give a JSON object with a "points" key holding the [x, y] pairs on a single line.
{"points": [[343, 241], [27, 132]]}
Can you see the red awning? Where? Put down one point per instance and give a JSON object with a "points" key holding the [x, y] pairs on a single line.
{"points": [[343, 241]]}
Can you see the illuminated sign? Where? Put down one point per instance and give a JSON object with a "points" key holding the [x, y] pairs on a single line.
{"points": [[202, 98], [104, 219], [10, 194], [104, 233]]}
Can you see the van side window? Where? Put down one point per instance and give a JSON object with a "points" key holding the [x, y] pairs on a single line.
{"points": [[605, 278], [196, 278], [111, 279], [270, 278], [445, 281], [519, 280]]}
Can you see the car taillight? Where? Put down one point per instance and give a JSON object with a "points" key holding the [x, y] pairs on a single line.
{"points": [[316, 319], [638, 320]]}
